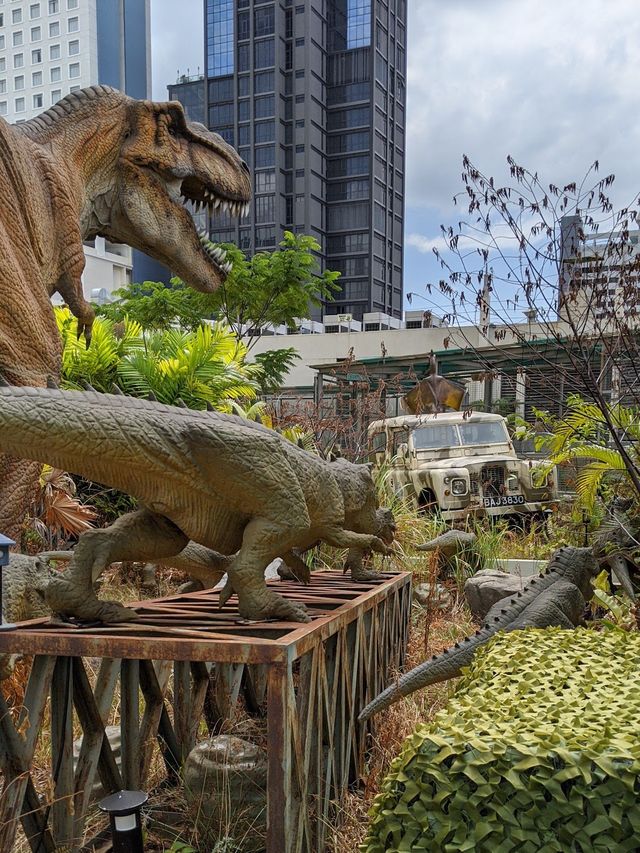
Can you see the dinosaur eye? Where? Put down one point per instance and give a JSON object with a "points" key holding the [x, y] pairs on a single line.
{"points": [[173, 131]]}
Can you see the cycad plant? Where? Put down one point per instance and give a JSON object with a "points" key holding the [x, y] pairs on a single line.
{"points": [[583, 435], [205, 366]]}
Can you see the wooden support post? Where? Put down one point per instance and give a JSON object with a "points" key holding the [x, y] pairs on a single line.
{"points": [[279, 829], [130, 724], [62, 751]]}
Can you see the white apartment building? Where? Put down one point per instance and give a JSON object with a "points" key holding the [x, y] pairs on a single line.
{"points": [[48, 48]]}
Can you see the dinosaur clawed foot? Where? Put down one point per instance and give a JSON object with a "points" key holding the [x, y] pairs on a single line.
{"points": [[70, 599], [364, 575], [270, 605]]}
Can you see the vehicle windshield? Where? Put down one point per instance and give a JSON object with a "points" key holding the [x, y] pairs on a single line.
{"points": [[435, 437], [492, 432]]}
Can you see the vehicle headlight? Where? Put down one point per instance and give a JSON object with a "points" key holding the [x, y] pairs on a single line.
{"points": [[512, 483], [459, 487]]}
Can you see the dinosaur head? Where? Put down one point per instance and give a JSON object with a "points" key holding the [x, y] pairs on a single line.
{"points": [[131, 166], [164, 162], [386, 529]]}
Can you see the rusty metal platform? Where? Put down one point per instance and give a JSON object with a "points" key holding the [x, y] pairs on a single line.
{"points": [[186, 661]]}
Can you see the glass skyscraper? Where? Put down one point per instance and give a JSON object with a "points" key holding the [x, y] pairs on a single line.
{"points": [[312, 95]]}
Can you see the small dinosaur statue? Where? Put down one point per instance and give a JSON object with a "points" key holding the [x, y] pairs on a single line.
{"points": [[98, 163], [557, 597], [226, 483]]}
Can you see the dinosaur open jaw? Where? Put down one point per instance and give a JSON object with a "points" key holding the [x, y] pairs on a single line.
{"points": [[216, 254], [202, 196]]}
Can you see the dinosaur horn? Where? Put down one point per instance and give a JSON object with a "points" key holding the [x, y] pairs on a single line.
{"points": [[4, 383], [152, 397], [210, 407], [117, 390], [51, 383], [87, 386], [620, 570], [181, 403]]}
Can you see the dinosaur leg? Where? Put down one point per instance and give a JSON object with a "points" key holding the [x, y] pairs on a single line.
{"points": [[294, 568], [262, 542], [353, 563], [139, 535], [340, 538], [18, 479]]}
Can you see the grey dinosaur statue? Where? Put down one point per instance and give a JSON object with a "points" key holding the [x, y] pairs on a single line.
{"points": [[226, 483], [98, 163], [557, 597]]}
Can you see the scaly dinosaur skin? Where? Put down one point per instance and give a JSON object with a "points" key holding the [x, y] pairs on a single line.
{"points": [[23, 583], [616, 544], [226, 483], [557, 598], [96, 163]]}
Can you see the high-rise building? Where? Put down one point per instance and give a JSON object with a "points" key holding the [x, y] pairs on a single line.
{"points": [[49, 48], [312, 95]]}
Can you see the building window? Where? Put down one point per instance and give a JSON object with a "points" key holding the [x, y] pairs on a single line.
{"points": [[19, 104], [358, 23], [3, 108], [264, 81], [265, 131], [54, 51], [74, 89], [300, 72], [264, 53], [74, 47], [300, 42], [74, 69], [243, 57], [243, 25], [18, 83], [37, 102], [243, 85], [56, 94], [244, 112], [3, 64], [54, 29], [54, 7], [72, 4], [220, 37], [36, 78], [18, 60], [73, 25], [17, 39], [265, 156], [265, 208], [55, 75], [16, 17], [3, 87], [2, 43], [264, 107], [265, 237], [34, 11], [266, 181], [36, 33], [244, 134], [221, 114], [36, 56], [263, 21]]}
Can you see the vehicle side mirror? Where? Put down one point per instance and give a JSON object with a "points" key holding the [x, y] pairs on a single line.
{"points": [[403, 450]]}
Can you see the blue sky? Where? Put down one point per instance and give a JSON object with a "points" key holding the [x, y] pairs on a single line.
{"points": [[557, 85]]}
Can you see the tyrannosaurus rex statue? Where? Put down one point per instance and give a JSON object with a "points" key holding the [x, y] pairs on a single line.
{"points": [[96, 163], [226, 483]]}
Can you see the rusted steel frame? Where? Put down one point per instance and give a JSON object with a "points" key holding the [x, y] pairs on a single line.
{"points": [[153, 705], [351, 683], [130, 723], [301, 639], [307, 701], [166, 736], [325, 737], [93, 709], [200, 676], [156, 648], [299, 798], [92, 722], [19, 797], [279, 829]]}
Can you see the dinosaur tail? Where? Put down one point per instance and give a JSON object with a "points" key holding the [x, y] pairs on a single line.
{"points": [[448, 664]]}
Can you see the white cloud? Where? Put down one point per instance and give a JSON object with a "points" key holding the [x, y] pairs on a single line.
{"points": [[553, 84], [177, 42]]}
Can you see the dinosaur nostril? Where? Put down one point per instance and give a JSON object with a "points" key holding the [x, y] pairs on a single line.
{"points": [[246, 168]]}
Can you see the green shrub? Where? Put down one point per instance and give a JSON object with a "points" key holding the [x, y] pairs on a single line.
{"points": [[538, 750]]}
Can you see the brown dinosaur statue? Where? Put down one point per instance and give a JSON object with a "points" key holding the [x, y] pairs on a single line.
{"points": [[434, 393], [96, 163]]}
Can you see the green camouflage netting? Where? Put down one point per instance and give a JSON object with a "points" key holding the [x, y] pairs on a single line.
{"points": [[538, 751]]}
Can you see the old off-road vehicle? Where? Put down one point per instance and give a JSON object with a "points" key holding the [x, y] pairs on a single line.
{"points": [[460, 464]]}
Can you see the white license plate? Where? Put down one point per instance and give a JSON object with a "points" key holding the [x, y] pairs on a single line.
{"points": [[505, 500]]}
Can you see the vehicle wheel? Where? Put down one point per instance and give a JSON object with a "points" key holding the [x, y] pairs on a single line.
{"points": [[427, 503]]}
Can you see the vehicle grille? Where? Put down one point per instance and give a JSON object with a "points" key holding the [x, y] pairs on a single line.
{"points": [[475, 488], [493, 481]]}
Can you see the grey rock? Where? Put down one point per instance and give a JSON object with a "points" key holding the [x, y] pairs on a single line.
{"points": [[487, 587], [439, 598], [225, 783]]}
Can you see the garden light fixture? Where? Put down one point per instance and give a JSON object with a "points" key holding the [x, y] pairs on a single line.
{"points": [[123, 809]]}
